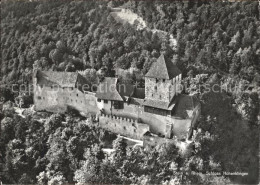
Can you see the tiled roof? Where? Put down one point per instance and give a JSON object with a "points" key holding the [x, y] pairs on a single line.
{"points": [[63, 79], [159, 104], [185, 104], [107, 90], [136, 101], [163, 69]]}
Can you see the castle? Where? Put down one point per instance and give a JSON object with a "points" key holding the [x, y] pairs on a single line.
{"points": [[159, 109]]}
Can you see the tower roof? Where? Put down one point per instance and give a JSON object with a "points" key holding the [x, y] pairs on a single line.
{"points": [[164, 69]]}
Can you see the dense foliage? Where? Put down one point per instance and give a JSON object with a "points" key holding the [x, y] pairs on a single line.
{"points": [[212, 36]]}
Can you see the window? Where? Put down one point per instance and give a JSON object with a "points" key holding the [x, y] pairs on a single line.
{"points": [[41, 86], [160, 96], [39, 98], [163, 80], [72, 88], [118, 105], [155, 88], [105, 101], [124, 128], [99, 100], [157, 80], [77, 94]]}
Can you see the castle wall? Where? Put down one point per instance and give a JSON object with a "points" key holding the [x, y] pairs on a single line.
{"points": [[48, 99], [57, 100], [123, 126], [181, 127], [157, 89], [158, 124], [163, 90], [91, 103]]}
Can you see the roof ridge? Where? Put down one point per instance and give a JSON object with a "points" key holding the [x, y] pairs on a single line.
{"points": [[165, 65], [163, 69]]}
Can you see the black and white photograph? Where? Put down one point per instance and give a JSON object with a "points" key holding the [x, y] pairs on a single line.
{"points": [[130, 92]]}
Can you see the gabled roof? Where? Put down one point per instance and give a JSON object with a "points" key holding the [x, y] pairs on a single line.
{"points": [[62, 79], [185, 106], [163, 69], [159, 104], [107, 90]]}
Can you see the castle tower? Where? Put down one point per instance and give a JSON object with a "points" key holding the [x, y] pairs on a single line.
{"points": [[162, 81]]}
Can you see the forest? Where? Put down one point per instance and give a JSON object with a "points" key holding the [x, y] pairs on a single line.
{"points": [[218, 42]]}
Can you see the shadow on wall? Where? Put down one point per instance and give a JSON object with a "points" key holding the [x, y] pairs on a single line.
{"points": [[123, 126]]}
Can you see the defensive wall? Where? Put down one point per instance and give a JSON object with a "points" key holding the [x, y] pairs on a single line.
{"points": [[161, 125], [123, 126], [48, 99]]}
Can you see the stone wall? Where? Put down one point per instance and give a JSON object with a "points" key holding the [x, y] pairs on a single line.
{"points": [[162, 89], [157, 90], [57, 100], [123, 126], [157, 123], [181, 127], [48, 99]]}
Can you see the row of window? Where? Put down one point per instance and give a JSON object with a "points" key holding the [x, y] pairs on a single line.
{"points": [[157, 80], [178, 78], [39, 98], [105, 101], [52, 87]]}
